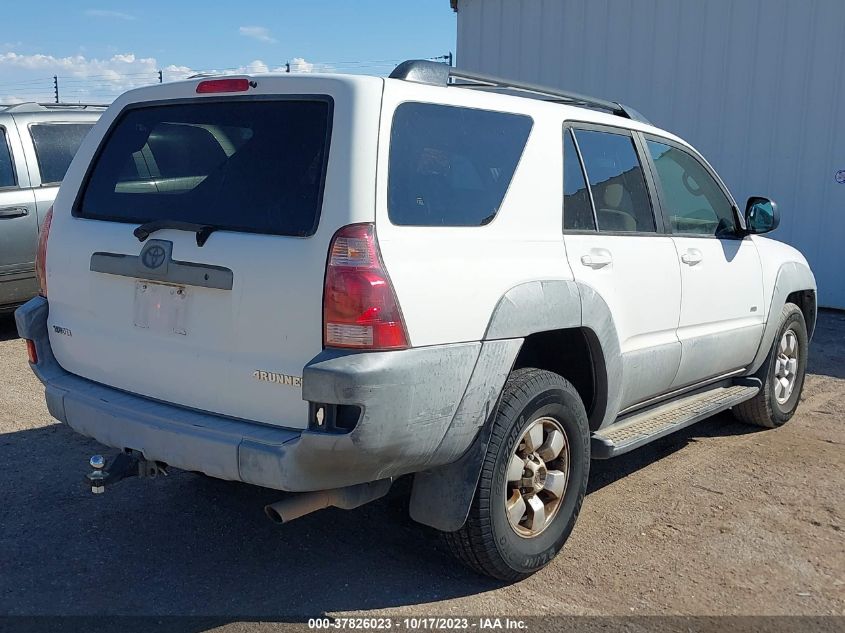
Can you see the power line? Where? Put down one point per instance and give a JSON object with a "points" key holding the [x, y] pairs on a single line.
{"points": [[110, 85]]}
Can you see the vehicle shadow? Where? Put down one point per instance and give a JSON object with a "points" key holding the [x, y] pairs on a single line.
{"points": [[188, 545], [606, 472], [8, 329]]}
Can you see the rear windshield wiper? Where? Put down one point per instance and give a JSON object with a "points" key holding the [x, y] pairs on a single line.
{"points": [[203, 231]]}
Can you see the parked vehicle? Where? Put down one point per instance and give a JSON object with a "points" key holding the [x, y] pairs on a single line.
{"points": [[321, 283], [37, 143]]}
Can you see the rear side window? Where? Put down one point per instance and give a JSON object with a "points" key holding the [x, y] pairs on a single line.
{"points": [[253, 166], [451, 166], [577, 208], [617, 181], [7, 168], [55, 145]]}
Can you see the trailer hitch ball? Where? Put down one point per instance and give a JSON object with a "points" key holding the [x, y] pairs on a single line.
{"points": [[97, 476]]}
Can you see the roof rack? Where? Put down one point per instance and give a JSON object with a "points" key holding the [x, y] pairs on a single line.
{"points": [[31, 106], [440, 74]]}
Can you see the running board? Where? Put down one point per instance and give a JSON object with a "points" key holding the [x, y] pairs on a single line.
{"points": [[646, 426]]}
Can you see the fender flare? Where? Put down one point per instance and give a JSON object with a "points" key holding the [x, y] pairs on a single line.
{"points": [[791, 277], [541, 306], [441, 496]]}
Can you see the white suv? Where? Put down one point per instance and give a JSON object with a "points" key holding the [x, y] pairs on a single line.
{"points": [[320, 283]]}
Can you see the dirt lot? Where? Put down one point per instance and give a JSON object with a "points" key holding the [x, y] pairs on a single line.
{"points": [[719, 519]]}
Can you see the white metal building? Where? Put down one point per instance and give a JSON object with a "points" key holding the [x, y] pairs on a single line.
{"points": [[756, 85]]}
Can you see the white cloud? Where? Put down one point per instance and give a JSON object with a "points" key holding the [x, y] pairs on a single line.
{"points": [[87, 79], [79, 66], [104, 13], [260, 33], [299, 65]]}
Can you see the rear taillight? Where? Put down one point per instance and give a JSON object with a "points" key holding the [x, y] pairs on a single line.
{"points": [[41, 252], [359, 306], [31, 352]]}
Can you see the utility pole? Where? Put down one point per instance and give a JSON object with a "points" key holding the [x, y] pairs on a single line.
{"points": [[56, 87], [159, 77]]}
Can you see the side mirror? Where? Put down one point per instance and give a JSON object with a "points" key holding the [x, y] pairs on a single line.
{"points": [[761, 215]]}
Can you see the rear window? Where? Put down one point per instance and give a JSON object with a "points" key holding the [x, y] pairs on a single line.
{"points": [[55, 145], [254, 166], [451, 166]]}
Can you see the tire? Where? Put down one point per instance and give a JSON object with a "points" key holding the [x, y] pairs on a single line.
{"points": [[488, 542], [767, 409]]}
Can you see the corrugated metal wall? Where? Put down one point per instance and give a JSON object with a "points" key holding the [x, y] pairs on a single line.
{"points": [[755, 85]]}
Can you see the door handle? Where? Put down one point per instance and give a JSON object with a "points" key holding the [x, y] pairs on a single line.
{"points": [[13, 212], [691, 257], [596, 260]]}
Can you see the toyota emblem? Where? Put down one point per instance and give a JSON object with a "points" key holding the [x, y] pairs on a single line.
{"points": [[154, 256]]}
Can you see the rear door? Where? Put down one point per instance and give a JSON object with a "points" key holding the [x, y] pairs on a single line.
{"points": [[615, 244], [18, 222], [220, 306], [722, 306], [49, 146]]}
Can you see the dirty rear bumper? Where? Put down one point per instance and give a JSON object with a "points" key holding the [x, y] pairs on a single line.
{"points": [[420, 408]]}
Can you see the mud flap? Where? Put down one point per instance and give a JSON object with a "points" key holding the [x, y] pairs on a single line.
{"points": [[441, 497]]}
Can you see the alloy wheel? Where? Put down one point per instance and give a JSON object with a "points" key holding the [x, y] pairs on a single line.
{"points": [[786, 366], [537, 476]]}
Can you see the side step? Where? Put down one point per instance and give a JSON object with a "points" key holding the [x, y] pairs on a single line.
{"points": [[641, 428]]}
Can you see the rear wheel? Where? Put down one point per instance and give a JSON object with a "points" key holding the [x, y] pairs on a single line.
{"points": [[782, 374], [533, 479]]}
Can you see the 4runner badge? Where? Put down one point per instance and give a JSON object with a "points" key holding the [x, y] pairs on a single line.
{"points": [[279, 379]]}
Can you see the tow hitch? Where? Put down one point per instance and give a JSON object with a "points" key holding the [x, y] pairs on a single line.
{"points": [[131, 464]]}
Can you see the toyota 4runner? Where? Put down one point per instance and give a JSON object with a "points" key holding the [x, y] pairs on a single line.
{"points": [[321, 283]]}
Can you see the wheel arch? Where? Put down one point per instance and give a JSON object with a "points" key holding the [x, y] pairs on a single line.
{"points": [[794, 283], [543, 309], [527, 317]]}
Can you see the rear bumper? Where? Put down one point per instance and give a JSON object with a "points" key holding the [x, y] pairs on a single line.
{"points": [[420, 408]]}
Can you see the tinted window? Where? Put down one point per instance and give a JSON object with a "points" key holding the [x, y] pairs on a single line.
{"points": [[55, 145], [577, 208], [451, 166], [255, 166], [7, 168], [694, 200], [617, 182]]}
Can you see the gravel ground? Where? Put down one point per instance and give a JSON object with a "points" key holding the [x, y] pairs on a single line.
{"points": [[717, 519]]}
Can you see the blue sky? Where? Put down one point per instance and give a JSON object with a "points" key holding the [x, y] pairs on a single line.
{"points": [[100, 49]]}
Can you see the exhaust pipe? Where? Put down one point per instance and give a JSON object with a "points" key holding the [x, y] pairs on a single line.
{"points": [[301, 503]]}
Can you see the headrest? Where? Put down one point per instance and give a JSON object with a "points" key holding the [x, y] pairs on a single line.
{"points": [[613, 195]]}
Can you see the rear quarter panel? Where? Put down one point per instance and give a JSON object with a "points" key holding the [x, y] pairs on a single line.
{"points": [[449, 279]]}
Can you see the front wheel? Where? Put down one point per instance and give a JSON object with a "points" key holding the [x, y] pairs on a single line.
{"points": [[782, 374], [533, 479]]}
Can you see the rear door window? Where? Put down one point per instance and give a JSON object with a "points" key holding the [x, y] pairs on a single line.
{"points": [[617, 182], [55, 146], [7, 167], [451, 166], [577, 207], [254, 166]]}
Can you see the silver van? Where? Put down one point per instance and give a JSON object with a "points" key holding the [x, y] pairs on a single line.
{"points": [[37, 143]]}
